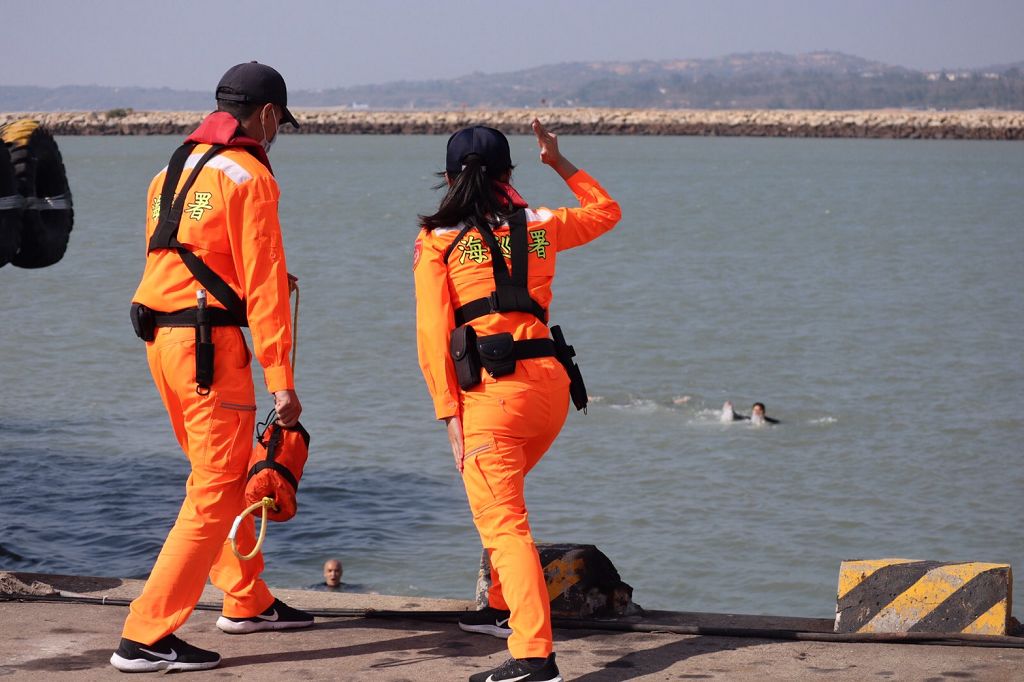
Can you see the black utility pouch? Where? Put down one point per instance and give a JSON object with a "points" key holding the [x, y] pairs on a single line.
{"points": [[204, 352], [565, 353], [204, 366], [462, 347], [143, 322], [498, 353]]}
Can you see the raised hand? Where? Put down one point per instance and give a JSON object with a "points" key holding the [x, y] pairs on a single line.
{"points": [[549, 152], [548, 143]]}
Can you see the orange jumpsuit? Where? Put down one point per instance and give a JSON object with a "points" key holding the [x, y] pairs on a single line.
{"points": [[230, 221], [510, 422]]}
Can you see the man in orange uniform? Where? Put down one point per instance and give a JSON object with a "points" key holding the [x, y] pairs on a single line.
{"points": [[501, 427], [227, 219]]}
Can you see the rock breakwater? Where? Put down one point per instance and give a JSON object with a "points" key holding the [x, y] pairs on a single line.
{"points": [[885, 124]]}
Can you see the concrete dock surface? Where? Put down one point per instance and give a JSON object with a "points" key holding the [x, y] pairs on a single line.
{"points": [[60, 640]]}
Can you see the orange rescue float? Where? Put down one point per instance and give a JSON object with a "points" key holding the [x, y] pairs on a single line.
{"points": [[275, 467]]}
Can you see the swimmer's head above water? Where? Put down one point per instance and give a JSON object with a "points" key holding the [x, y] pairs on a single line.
{"points": [[757, 415]]}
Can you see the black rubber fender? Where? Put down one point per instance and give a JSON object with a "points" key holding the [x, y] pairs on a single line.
{"points": [[11, 204], [48, 214]]}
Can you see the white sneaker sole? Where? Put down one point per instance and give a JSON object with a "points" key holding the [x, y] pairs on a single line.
{"points": [[492, 630], [234, 627], [143, 665]]}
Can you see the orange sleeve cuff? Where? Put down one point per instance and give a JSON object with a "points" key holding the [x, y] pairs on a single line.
{"points": [[279, 378], [445, 406]]}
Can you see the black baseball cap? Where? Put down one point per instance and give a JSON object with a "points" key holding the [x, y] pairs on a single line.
{"points": [[490, 144], [255, 83]]}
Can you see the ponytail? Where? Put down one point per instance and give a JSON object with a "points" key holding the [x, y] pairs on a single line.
{"points": [[471, 199]]}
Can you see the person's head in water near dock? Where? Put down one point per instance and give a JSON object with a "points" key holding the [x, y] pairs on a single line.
{"points": [[332, 573]]}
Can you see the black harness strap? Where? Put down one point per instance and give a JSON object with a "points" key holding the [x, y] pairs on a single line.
{"points": [[510, 289], [165, 236], [458, 238], [518, 236]]}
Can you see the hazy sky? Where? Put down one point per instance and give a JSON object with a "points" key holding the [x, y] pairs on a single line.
{"points": [[188, 44]]}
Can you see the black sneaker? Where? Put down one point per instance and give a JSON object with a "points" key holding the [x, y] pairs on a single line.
{"points": [[169, 653], [522, 670], [487, 621], [279, 616]]}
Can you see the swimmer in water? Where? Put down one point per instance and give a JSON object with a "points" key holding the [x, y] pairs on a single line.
{"points": [[729, 414], [758, 417]]}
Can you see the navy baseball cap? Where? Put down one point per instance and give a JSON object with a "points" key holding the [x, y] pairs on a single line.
{"points": [[255, 83], [490, 144]]}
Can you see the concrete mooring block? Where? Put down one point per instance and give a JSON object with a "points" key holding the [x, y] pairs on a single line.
{"points": [[582, 582], [903, 595]]}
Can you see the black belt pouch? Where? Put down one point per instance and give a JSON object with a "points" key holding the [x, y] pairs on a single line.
{"points": [[204, 364], [462, 347], [204, 351], [565, 353], [498, 353], [143, 322]]}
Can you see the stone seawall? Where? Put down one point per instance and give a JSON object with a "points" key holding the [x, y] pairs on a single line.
{"points": [[886, 124]]}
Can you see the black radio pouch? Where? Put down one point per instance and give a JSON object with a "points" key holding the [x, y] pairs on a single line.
{"points": [[204, 352], [462, 347], [143, 322], [565, 353], [498, 353], [204, 367]]}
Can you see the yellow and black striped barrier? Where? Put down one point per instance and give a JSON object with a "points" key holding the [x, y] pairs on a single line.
{"points": [[903, 595]]}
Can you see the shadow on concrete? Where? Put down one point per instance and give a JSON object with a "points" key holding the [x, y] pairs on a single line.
{"points": [[87, 660], [435, 644], [632, 663], [70, 583]]}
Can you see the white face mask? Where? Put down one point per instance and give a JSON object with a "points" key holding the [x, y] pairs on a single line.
{"points": [[268, 141]]}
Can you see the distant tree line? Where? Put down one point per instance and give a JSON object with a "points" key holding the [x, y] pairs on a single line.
{"points": [[823, 80]]}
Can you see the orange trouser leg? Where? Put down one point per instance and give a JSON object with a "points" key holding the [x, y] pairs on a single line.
{"points": [[533, 449], [216, 432], [507, 426]]}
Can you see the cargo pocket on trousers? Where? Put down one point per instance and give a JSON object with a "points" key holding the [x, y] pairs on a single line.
{"points": [[490, 477], [230, 441]]}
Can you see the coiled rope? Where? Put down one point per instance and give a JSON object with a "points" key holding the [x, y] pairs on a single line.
{"points": [[264, 504]]}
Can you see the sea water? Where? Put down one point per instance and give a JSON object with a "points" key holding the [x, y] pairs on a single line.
{"points": [[869, 292]]}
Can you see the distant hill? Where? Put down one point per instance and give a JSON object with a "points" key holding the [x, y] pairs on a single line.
{"points": [[766, 80]]}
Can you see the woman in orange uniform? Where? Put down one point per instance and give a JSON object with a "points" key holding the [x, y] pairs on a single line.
{"points": [[483, 265]]}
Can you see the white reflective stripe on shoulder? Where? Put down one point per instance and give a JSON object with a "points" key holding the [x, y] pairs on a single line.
{"points": [[538, 216], [222, 163], [444, 230]]}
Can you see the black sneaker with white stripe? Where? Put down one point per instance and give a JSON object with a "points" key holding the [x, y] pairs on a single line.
{"points": [[169, 653], [279, 616], [522, 670], [487, 621]]}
